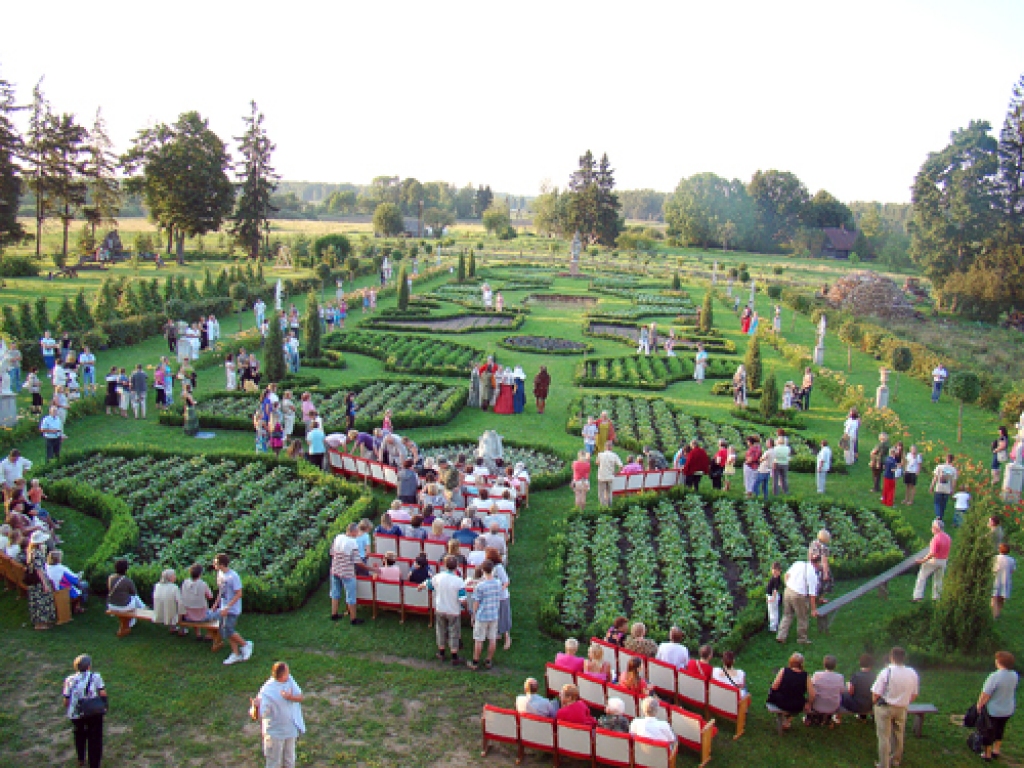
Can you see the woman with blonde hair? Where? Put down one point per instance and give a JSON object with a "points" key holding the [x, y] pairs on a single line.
{"points": [[595, 664], [167, 602]]}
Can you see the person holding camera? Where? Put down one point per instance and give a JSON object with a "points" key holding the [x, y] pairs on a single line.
{"points": [[894, 690], [85, 697]]}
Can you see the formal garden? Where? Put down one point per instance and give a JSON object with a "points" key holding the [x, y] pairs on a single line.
{"points": [[375, 695]]}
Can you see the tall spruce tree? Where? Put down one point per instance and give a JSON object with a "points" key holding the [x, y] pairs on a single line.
{"points": [[274, 366], [752, 362], [68, 152], [707, 314], [962, 617], [311, 330], [11, 147], [1011, 159], [403, 289], [38, 155], [101, 175], [256, 183]]}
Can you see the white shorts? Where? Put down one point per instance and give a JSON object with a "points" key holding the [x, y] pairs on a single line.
{"points": [[485, 630]]}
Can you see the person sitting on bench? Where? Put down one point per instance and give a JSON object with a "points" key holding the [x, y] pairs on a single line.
{"points": [[857, 698], [826, 694]]}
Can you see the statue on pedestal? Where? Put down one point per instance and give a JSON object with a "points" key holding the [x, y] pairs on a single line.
{"points": [[1013, 474], [753, 291], [882, 393], [714, 273], [574, 249]]}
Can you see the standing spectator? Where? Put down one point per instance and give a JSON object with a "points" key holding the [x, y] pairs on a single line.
{"points": [[605, 432], [943, 485], [1003, 568], [857, 698], [877, 460], [750, 464], [35, 388], [344, 557], [14, 358], [495, 555], [487, 597], [229, 608], [580, 479], [541, 385], [819, 553], [113, 383], [999, 695], [1000, 453], [764, 468], [894, 690], [800, 594], [939, 376], [315, 438], [48, 346], [995, 531], [773, 597], [13, 469], [807, 385], [52, 430], [589, 433], [279, 706], [137, 385], [81, 687], [961, 505], [822, 465], [171, 334], [889, 469], [934, 563], [911, 469], [449, 599], [697, 465], [780, 467], [87, 360], [608, 465], [408, 483], [851, 437]]}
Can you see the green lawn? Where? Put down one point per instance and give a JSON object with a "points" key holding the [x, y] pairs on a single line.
{"points": [[375, 696]]}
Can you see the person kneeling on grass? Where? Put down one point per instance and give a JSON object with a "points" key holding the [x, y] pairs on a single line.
{"points": [[487, 596]]}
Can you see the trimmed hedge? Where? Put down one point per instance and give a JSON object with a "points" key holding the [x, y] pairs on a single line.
{"points": [[539, 483], [587, 348], [714, 344], [386, 324]]}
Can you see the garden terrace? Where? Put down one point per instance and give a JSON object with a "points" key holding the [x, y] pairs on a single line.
{"points": [[546, 345], [681, 559], [644, 371], [162, 510], [407, 354], [413, 403]]}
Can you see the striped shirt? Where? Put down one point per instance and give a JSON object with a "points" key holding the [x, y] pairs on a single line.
{"points": [[344, 553], [488, 597]]}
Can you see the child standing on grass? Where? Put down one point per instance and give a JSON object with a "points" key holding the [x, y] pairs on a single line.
{"points": [[730, 468], [34, 386], [961, 503], [276, 436], [773, 595], [590, 436]]}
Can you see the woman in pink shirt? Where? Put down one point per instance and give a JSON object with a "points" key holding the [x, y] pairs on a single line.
{"points": [[308, 409], [581, 478]]}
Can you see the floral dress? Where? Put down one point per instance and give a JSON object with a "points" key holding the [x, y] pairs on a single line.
{"points": [[41, 608]]}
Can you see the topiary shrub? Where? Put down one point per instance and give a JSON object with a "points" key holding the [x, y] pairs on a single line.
{"points": [[274, 368], [850, 334], [706, 314], [311, 330], [403, 289], [963, 620], [752, 362], [900, 359], [744, 276], [774, 292], [769, 406], [675, 282], [965, 387], [462, 268]]}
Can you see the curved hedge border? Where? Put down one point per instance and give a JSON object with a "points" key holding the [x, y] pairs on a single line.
{"points": [[542, 482], [715, 344], [586, 348], [717, 369], [174, 417], [388, 324], [123, 533], [372, 345]]}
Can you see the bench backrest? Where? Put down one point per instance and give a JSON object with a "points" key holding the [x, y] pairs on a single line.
{"points": [[556, 677], [618, 485], [611, 651], [635, 483], [692, 689], [686, 725], [724, 700], [613, 748], [652, 480], [629, 699], [390, 477], [388, 594], [669, 478], [349, 464], [592, 690], [662, 677], [575, 740], [537, 732], [409, 547], [365, 590], [435, 549], [415, 600], [651, 753], [385, 542], [500, 724]]}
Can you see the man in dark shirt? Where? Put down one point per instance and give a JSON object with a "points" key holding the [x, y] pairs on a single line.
{"points": [[137, 386]]}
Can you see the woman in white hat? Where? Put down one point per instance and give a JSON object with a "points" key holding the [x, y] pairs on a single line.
{"points": [[41, 609]]}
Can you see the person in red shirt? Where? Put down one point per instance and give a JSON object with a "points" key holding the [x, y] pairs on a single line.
{"points": [[718, 464], [581, 478], [702, 667], [934, 564], [697, 465], [750, 464], [569, 661], [573, 710]]}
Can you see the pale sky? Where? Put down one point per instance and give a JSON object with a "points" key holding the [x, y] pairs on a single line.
{"points": [[849, 96]]}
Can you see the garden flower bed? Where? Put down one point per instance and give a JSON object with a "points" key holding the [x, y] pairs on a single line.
{"points": [[275, 519], [464, 322], [640, 311], [562, 300], [629, 333], [683, 559], [413, 403], [645, 371], [407, 354], [655, 423], [547, 469], [546, 345]]}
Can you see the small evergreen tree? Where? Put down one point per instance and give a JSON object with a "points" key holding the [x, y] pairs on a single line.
{"points": [[168, 289], [193, 290], [707, 314], [966, 388], [104, 307], [42, 315], [273, 365], [403, 289], [850, 333], [311, 326], [180, 288], [900, 360], [676, 285], [11, 326], [472, 263], [208, 289], [462, 267], [223, 284], [66, 319], [31, 354], [962, 617], [770, 397], [154, 302], [83, 317], [259, 273], [752, 362]]}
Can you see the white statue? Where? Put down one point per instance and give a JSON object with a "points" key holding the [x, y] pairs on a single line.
{"points": [[5, 368], [822, 325], [576, 246], [278, 295]]}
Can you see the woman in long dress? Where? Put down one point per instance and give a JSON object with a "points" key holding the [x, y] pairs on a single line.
{"points": [[541, 385], [229, 371], [505, 404], [487, 374], [755, 320], [191, 415], [288, 411], [700, 363], [112, 400], [42, 610], [739, 387], [605, 431], [519, 396]]}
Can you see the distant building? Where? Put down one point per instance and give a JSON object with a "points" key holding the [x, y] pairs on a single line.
{"points": [[839, 242], [412, 226]]}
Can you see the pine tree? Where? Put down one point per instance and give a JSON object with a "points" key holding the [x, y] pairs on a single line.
{"points": [[676, 285], [208, 287], [273, 366], [256, 183], [707, 314], [193, 290], [11, 148], [69, 188], [403, 289], [223, 284], [752, 362], [155, 302], [311, 326], [101, 171], [66, 318], [31, 354], [1011, 158], [259, 273], [180, 288], [83, 317], [42, 315], [770, 397], [38, 150], [168, 288], [462, 268], [472, 263], [962, 617], [105, 304]]}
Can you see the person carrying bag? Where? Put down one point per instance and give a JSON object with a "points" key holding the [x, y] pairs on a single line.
{"points": [[85, 696]]}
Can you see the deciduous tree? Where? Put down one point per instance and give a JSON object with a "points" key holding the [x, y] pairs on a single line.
{"points": [[780, 199], [68, 167], [387, 220]]}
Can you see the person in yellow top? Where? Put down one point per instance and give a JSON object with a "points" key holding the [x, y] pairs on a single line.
{"points": [[605, 431]]}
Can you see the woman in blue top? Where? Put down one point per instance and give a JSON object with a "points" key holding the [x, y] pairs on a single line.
{"points": [[350, 410], [999, 695], [889, 467]]}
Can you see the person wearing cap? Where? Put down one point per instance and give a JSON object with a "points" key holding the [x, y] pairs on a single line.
{"points": [[42, 610], [13, 468]]}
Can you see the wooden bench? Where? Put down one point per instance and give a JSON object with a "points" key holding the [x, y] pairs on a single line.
{"points": [[13, 574], [827, 612], [915, 711], [124, 619]]}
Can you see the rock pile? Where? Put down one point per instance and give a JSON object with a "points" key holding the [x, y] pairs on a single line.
{"points": [[869, 293]]}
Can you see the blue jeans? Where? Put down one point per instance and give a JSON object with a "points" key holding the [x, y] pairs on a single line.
{"points": [[941, 499], [762, 482], [15, 380], [936, 391], [339, 585]]}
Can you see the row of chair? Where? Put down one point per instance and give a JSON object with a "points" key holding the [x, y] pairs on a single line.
{"points": [[406, 546], [400, 596], [363, 469], [654, 480], [598, 745]]}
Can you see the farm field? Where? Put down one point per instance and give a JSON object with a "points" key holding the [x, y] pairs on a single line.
{"points": [[674, 559]]}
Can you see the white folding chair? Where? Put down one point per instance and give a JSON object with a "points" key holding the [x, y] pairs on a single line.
{"points": [[556, 678], [500, 725]]}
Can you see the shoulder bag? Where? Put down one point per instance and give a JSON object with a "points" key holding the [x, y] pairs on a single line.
{"points": [[97, 705]]}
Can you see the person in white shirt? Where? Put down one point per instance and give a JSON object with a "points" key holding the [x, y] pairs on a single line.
{"points": [[939, 376], [801, 592], [728, 674], [894, 690], [911, 469], [674, 652], [449, 600], [649, 726], [608, 465], [961, 503], [822, 465], [851, 432], [13, 468]]}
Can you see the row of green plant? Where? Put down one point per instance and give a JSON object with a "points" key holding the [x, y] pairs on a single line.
{"points": [[545, 345], [407, 354], [639, 311], [275, 518], [645, 371], [428, 322], [684, 336]]}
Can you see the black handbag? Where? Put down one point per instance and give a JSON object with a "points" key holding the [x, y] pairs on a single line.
{"points": [[97, 705], [31, 578]]}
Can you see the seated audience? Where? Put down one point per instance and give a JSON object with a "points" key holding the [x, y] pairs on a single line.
{"points": [[420, 572], [569, 661], [573, 709], [790, 689], [613, 718], [493, 538], [494, 516], [648, 725], [479, 553], [434, 496], [826, 693], [466, 534], [728, 673], [15, 550], [63, 577], [638, 642], [632, 466], [167, 602], [532, 703], [389, 571], [452, 549], [595, 664], [701, 667], [195, 599], [428, 516], [858, 692], [417, 530], [121, 592], [616, 634], [387, 527], [674, 652], [632, 680], [437, 531]]}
